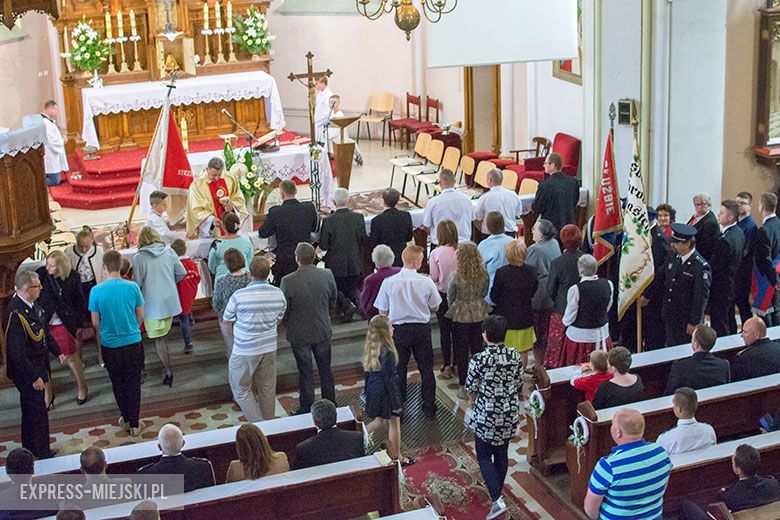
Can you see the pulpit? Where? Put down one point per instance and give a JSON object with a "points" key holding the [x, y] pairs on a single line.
{"points": [[24, 205], [164, 35], [343, 150]]}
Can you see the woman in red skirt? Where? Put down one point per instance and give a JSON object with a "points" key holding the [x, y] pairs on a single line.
{"points": [[562, 276], [586, 318]]}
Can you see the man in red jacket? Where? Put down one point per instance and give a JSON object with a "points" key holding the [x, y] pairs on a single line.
{"points": [[188, 289]]}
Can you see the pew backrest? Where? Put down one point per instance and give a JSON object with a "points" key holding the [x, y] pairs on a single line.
{"points": [[216, 445]]}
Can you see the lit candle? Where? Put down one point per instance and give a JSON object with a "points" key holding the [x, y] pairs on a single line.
{"points": [[217, 16], [109, 34], [133, 30], [230, 14], [119, 29], [206, 15]]}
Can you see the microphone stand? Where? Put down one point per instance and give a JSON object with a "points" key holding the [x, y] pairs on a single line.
{"points": [[249, 136]]}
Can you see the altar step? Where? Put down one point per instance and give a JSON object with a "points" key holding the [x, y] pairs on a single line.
{"points": [[200, 379]]}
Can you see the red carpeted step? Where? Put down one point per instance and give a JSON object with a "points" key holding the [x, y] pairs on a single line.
{"points": [[68, 198], [95, 185]]}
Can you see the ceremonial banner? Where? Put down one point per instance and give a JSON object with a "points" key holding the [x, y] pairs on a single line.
{"points": [[762, 291], [636, 255], [166, 167], [607, 224]]}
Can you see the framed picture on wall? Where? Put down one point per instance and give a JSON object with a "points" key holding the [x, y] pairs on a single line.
{"points": [[571, 69]]}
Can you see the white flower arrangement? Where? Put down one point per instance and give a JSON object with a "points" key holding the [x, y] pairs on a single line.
{"points": [[88, 51], [252, 32]]}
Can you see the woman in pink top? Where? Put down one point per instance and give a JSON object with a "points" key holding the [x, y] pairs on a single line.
{"points": [[442, 264]]}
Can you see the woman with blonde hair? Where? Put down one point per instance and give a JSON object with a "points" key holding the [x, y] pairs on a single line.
{"points": [[513, 292], [255, 457], [157, 270], [382, 392], [466, 293], [62, 302], [86, 258]]}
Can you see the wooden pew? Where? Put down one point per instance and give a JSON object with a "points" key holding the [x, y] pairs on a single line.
{"points": [[343, 489], [547, 446], [732, 409], [719, 511], [698, 475], [218, 446]]}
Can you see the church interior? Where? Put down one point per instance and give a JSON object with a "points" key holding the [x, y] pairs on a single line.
{"points": [[143, 95]]}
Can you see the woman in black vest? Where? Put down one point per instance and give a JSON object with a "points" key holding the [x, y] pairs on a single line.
{"points": [[587, 314]]}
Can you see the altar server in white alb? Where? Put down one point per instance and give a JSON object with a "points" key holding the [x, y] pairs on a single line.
{"points": [[334, 132], [55, 160], [321, 108]]}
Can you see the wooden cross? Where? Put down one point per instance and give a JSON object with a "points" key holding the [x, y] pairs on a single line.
{"points": [[310, 76]]}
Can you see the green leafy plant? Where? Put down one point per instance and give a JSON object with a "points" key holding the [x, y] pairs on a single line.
{"points": [[252, 32], [88, 51]]}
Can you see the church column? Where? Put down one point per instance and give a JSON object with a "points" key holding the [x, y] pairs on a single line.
{"points": [[55, 73], [507, 108]]}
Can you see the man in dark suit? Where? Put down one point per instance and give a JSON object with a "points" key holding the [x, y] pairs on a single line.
{"points": [[762, 355], [687, 278], [702, 369], [652, 298], [20, 467], [745, 272], [751, 490], [291, 222], [198, 473], [725, 262], [556, 199], [331, 444], [766, 250], [310, 293], [28, 344], [706, 224], [342, 236], [392, 227]]}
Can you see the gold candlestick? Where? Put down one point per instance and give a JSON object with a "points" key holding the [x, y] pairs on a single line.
{"points": [[232, 58], [111, 67], [124, 67], [207, 58], [220, 54], [136, 62]]}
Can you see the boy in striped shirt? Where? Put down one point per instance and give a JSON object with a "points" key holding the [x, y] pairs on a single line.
{"points": [[629, 482]]}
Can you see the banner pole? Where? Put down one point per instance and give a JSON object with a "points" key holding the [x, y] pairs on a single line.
{"points": [[638, 326]]}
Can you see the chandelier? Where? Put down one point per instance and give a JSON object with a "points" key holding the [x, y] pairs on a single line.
{"points": [[407, 16]]}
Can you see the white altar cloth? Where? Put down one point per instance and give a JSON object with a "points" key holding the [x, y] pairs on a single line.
{"points": [[127, 97]]}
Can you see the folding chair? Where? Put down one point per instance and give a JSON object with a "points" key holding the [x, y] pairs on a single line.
{"points": [[416, 159], [450, 162], [435, 155]]}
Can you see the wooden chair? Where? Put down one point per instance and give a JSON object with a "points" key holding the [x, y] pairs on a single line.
{"points": [[380, 110], [449, 162], [510, 180], [435, 156], [527, 187], [480, 178], [541, 149], [418, 158], [398, 124], [467, 167], [414, 127]]}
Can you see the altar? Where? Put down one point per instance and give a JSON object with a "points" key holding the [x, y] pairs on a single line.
{"points": [[252, 97]]}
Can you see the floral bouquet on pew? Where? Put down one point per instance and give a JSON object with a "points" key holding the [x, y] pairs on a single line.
{"points": [[252, 32], [88, 50]]}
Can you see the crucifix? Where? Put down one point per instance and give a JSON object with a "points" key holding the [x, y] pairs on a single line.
{"points": [[310, 76]]}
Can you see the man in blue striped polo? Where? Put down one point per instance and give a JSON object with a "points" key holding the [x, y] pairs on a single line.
{"points": [[629, 482], [253, 313]]}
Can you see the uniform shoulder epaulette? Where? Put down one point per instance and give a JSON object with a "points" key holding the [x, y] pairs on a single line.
{"points": [[702, 260]]}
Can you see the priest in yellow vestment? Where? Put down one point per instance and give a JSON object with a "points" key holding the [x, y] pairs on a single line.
{"points": [[211, 194]]}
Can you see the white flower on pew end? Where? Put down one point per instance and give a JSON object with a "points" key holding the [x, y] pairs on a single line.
{"points": [[535, 407], [579, 437]]}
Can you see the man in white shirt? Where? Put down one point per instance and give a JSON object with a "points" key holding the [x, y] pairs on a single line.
{"points": [[408, 298], [158, 200], [449, 205], [689, 434], [334, 132], [321, 108], [498, 199], [55, 160]]}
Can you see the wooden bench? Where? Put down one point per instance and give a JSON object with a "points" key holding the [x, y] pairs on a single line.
{"points": [[547, 446], [343, 489], [218, 446], [719, 511], [732, 409], [699, 475]]}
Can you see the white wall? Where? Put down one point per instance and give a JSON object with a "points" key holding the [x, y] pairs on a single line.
{"points": [[447, 86], [554, 105], [696, 122], [620, 76], [365, 57], [21, 62]]}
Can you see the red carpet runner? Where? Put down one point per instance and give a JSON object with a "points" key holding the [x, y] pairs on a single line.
{"points": [[110, 181]]}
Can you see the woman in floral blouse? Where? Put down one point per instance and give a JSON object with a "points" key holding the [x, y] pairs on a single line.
{"points": [[493, 383]]}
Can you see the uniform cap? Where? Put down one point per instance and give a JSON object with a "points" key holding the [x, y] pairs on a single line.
{"points": [[682, 232]]}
